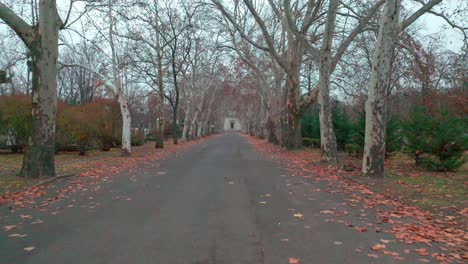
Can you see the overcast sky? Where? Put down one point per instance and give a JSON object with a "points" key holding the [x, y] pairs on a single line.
{"points": [[430, 25], [452, 38]]}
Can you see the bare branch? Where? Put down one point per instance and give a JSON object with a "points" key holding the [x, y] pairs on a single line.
{"points": [[22, 29], [421, 11]]}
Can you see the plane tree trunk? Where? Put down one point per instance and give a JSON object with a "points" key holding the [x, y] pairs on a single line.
{"points": [[327, 133], [376, 105], [186, 121], [121, 99], [42, 43], [293, 123]]}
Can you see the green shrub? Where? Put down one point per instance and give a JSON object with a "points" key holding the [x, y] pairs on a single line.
{"points": [[437, 142], [341, 125], [393, 140], [310, 125], [357, 133], [3, 141], [311, 142]]}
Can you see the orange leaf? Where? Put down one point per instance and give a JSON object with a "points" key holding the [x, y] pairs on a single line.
{"points": [[361, 229], [421, 251], [293, 261], [378, 247]]}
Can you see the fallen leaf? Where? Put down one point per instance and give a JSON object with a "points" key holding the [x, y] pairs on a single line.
{"points": [[293, 261], [391, 253], [25, 216], [361, 229], [377, 247], [27, 249], [299, 215], [17, 235], [8, 228], [464, 212], [421, 251]]}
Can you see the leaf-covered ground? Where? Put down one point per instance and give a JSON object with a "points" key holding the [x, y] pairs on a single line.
{"points": [[435, 191], [66, 163], [399, 203]]}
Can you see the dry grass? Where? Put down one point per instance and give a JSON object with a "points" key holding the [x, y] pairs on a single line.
{"points": [[415, 186], [66, 163]]}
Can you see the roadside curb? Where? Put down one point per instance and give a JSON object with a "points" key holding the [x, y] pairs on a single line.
{"points": [[44, 182], [51, 180], [388, 196], [47, 181]]}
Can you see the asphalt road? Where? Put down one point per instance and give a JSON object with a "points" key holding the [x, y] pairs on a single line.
{"points": [[220, 202]]}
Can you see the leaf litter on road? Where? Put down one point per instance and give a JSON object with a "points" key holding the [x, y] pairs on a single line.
{"points": [[408, 224]]}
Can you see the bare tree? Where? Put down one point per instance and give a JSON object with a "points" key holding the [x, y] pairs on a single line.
{"points": [[327, 134], [123, 102], [290, 59], [376, 105], [41, 40]]}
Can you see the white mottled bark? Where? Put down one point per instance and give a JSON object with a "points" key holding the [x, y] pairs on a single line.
{"points": [[196, 125], [193, 128], [327, 133], [161, 122], [186, 120], [126, 124], [376, 105], [205, 128], [42, 42], [199, 129], [121, 99]]}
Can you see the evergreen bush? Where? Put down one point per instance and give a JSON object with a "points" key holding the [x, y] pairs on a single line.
{"points": [[438, 142]]}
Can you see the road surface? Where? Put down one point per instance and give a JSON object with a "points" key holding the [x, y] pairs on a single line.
{"points": [[220, 202]]}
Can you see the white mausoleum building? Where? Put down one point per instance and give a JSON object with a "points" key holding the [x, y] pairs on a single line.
{"points": [[232, 124]]}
